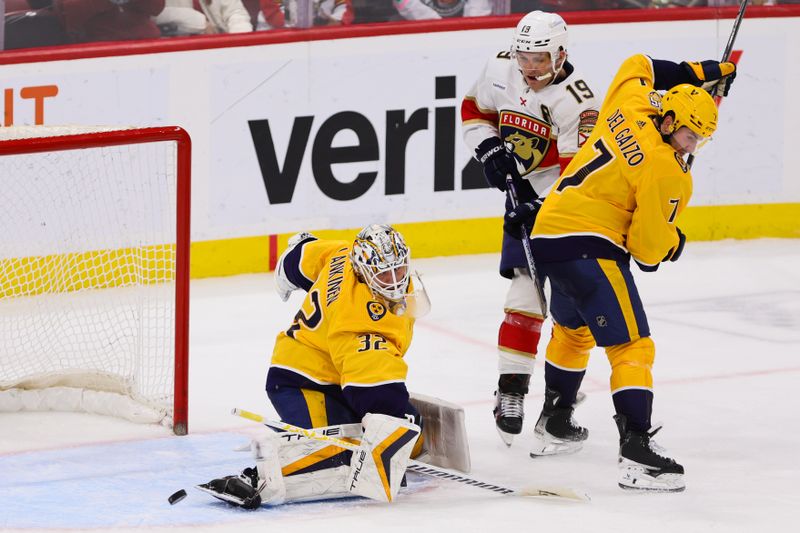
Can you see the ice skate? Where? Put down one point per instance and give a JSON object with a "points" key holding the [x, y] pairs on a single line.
{"points": [[240, 490], [509, 414], [643, 464], [556, 432], [509, 405]]}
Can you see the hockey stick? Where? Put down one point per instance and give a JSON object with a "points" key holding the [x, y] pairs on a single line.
{"points": [[725, 56], [526, 245], [560, 493]]}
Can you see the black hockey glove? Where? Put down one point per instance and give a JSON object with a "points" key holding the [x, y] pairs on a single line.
{"points": [[707, 74], [497, 162], [522, 214], [676, 252]]}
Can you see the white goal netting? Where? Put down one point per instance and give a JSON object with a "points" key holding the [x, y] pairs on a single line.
{"points": [[87, 275]]}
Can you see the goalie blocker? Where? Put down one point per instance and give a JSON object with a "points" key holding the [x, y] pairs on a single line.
{"points": [[294, 468]]}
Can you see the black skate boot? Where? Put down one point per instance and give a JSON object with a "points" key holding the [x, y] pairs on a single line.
{"points": [[238, 490], [643, 464], [556, 431], [509, 405]]}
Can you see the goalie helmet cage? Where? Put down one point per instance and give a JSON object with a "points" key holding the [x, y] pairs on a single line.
{"points": [[94, 271]]}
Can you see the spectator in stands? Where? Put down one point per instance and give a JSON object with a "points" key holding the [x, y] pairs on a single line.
{"points": [[265, 14], [109, 20], [392, 10], [32, 23], [524, 6], [435, 9], [272, 14], [191, 17]]}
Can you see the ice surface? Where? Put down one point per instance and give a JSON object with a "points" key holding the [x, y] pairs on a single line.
{"points": [[726, 323]]}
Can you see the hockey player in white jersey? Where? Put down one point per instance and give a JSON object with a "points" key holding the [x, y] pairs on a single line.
{"points": [[527, 115]]}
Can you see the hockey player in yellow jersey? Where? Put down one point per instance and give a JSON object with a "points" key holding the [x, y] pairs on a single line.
{"points": [[337, 368], [619, 198], [345, 348]]}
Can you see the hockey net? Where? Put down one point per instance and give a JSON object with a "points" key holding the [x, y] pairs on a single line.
{"points": [[94, 271]]}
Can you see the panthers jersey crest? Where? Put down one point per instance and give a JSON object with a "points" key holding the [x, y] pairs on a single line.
{"points": [[527, 137]]}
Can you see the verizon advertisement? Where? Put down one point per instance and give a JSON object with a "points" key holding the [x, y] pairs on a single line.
{"points": [[339, 133]]}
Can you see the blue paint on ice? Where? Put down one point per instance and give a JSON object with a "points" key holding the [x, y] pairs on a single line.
{"points": [[125, 484]]}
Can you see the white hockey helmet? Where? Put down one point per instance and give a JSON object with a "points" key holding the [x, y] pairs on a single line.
{"points": [[540, 32], [381, 260]]}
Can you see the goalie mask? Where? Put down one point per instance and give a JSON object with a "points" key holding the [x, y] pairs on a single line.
{"points": [[381, 260]]}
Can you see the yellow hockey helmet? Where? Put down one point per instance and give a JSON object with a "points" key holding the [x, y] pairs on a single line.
{"points": [[692, 107]]}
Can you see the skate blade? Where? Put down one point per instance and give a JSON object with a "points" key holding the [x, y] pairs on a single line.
{"points": [[545, 445], [652, 488], [219, 495], [638, 480], [508, 438]]}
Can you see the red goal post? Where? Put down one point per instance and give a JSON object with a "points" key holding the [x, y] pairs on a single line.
{"points": [[94, 271]]}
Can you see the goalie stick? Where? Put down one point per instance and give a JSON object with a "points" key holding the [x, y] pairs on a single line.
{"points": [[726, 55], [554, 493]]}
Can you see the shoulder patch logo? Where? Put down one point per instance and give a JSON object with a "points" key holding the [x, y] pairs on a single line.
{"points": [[586, 122], [376, 310], [682, 163], [655, 99], [641, 124]]}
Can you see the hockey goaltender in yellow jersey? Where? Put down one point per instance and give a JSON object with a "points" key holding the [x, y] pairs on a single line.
{"points": [[342, 335], [634, 207], [339, 368]]}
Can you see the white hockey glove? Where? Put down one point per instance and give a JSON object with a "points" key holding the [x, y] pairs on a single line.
{"points": [[378, 466], [282, 283]]}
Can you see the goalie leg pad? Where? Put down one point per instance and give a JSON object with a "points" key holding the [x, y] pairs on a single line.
{"points": [[378, 466], [270, 485], [313, 469]]}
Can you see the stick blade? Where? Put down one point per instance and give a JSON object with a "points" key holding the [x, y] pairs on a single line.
{"points": [[555, 493]]}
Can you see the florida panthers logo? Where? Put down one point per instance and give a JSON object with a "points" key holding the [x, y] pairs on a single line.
{"points": [[527, 137]]}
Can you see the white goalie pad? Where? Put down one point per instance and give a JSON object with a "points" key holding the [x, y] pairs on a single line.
{"points": [[379, 464], [444, 432], [295, 468]]}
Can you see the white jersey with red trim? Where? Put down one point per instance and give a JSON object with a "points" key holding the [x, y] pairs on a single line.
{"points": [[544, 128]]}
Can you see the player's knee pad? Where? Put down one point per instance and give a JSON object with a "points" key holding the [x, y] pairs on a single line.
{"points": [[378, 466], [569, 348], [632, 363]]}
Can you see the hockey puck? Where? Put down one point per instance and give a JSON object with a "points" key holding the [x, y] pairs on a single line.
{"points": [[178, 496]]}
